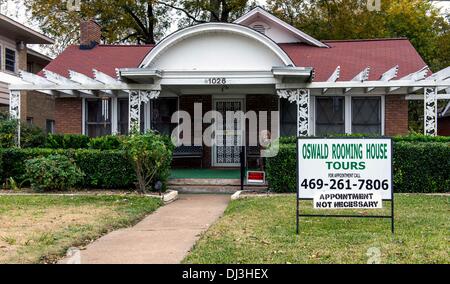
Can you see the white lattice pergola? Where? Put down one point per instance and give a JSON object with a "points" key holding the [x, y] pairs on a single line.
{"points": [[415, 86]]}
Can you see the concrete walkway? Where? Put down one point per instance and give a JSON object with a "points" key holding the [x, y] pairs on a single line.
{"points": [[165, 236]]}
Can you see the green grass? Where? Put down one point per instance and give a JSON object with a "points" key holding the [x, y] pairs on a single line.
{"points": [[262, 230], [40, 228]]}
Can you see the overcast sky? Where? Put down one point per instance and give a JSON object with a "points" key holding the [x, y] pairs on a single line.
{"points": [[15, 10]]}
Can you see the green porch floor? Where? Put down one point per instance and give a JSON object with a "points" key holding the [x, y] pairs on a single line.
{"points": [[205, 173]]}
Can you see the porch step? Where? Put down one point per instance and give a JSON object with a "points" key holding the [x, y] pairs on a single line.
{"points": [[204, 181], [214, 189], [211, 186]]}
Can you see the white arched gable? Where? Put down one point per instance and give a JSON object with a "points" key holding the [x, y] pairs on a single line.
{"points": [[216, 46]]}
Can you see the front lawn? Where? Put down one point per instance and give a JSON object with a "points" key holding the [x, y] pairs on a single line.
{"points": [[40, 228], [262, 230]]}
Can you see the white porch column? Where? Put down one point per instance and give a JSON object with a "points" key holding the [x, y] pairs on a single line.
{"points": [[14, 112], [135, 100], [302, 98], [430, 111]]}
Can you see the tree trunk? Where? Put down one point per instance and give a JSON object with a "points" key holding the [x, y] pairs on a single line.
{"points": [[214, 9], [151, 23]]}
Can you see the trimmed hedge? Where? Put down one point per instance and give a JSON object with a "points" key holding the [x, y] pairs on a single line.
{"points": [[67, 141], [421, 167], [103, 169], [418, 167]]}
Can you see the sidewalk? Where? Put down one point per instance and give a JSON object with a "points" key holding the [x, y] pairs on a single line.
{"points": [[165, 236]]}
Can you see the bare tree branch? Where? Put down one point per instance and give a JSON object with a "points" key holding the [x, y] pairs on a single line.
{"points": [[182, 10]]}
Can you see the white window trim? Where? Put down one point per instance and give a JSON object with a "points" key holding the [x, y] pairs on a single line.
{"points": [[347, 111], [83, 116], [114, 116], [1, 56]]}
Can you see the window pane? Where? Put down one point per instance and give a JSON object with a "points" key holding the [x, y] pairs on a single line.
{"points": [[123, 116], [162, 110], [366, 115], [330, 112], [98, 117], [50, 126], [288, 118], [10, 60]]}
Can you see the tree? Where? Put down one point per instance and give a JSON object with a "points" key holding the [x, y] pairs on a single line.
{"points": [[127, 21], [150, 156], [122, 21], [202, 11], [418, 20]]}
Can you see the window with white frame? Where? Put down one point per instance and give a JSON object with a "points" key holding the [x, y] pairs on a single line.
{"points": [[348, 114], [10, 60], [98, 117]]}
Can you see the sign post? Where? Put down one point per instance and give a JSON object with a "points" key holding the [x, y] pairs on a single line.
{"points": [[345, 173]]}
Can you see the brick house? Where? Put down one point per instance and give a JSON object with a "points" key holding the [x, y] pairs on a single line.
{"points": [[258, 63], [15, 55]]}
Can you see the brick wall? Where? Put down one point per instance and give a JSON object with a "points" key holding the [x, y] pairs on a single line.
{"points": [[396, 115], [40, 107], [90, 32], [68, 118]]}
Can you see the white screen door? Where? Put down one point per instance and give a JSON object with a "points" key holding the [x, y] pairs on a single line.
{"points": [[228, 136]]}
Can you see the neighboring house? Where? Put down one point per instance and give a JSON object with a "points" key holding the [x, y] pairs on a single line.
{"points": [[246, 65], [37, 109], [444, 121]]}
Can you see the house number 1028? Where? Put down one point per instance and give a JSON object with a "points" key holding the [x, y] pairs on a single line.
{"points": [[216, 81]]}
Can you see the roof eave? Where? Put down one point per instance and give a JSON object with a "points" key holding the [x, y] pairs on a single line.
{"points": [[24, 33]]}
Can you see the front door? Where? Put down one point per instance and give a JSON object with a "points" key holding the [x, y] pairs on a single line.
{"points": [[226, 151]]}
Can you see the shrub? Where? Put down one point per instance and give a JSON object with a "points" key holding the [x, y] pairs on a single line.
{"points": [[150, 157], [67, 141], [417, 167], [105, 169], [54, 172], [30, 135], [108, 142], [421, 167], [102, 168], [281, 169], [13, 160], [7, 133]]}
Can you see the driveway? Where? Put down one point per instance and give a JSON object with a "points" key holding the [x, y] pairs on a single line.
{"points": [[165, 236]]}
